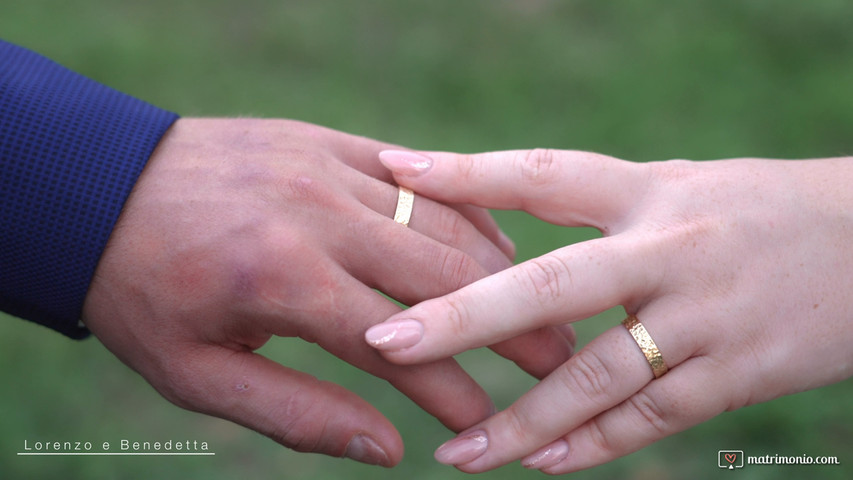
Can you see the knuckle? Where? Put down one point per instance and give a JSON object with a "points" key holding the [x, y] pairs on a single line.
{"points": [[311, 289], [599, 437], [455, 315], [467, 166], [544, 278], [304, 177], [649, 411], [248, 277], [450, 227], [308, 190], [457, 270], [307, 178], [293, 429], [518, 424], [538, 166], [587, 373]]}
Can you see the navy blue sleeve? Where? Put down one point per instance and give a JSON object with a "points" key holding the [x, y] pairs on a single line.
{"points": [[71, 149]]}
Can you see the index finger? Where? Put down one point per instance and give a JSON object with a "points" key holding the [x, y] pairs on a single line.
{"points": [[563, 286], [561, 186]]}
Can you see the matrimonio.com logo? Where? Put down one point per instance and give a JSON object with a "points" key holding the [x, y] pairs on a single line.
{"points": [[730, 459], [734, 459]]}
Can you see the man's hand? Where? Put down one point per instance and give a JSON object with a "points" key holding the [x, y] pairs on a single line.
{"points": [[239, 230]]}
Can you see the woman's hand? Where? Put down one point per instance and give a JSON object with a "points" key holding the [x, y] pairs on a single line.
{"points": [[740, 270], [241, 229]]}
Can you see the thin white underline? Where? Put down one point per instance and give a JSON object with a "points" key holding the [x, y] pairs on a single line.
{"points": [[114, 453]]}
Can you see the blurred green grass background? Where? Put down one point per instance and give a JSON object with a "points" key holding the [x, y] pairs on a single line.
{"points": [[638, 80]]}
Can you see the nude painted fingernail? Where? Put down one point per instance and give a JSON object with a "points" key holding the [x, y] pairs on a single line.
{"points": [[463, 449], [548, 456], [395, 335], [405, 163], [364, 449]]}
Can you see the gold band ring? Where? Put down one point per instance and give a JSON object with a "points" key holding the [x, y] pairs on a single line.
{"points": [[646, 344], [405, 203]]}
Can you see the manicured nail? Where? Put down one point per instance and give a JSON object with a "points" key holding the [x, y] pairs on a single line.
{"points": [[463, 449], [395, 335], [548, 456], [364, 449], [405, 163]]}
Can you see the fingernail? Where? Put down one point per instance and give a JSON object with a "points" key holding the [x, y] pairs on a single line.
{"points": [[548, 456], [405, 163], [364, 449], [395, 335], [463, 449]]}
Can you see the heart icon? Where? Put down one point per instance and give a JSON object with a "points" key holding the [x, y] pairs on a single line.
{"points": [[731, 457]]}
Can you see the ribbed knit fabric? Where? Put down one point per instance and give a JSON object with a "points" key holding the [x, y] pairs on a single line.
{"points": [[71, 149]]}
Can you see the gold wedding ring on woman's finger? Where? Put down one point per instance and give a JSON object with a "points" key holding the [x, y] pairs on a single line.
{"points": [[646, 344], [405, 203]]}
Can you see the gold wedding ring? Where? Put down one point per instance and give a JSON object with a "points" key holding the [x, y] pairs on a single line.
{"points": [[646, 344], [405, 203]]}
